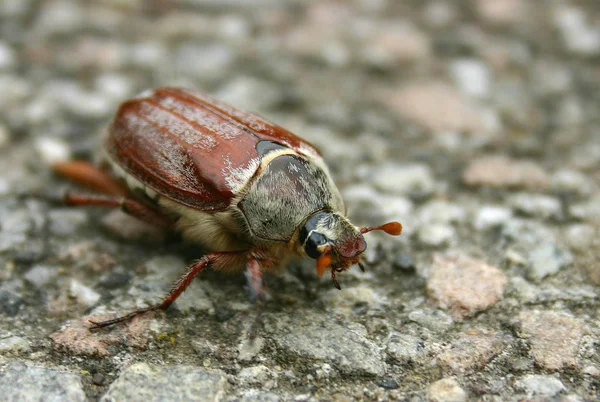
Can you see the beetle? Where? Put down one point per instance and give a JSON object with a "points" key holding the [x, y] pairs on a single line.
{"points": [[246, 190]]}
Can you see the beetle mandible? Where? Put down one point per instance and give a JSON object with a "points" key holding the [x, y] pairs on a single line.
{"points": [[248, 191]]}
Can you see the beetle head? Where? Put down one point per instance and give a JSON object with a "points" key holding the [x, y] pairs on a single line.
{"points": [[335, 243]]}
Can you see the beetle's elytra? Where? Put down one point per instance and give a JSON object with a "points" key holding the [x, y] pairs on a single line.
{"points": [[248, 191]]}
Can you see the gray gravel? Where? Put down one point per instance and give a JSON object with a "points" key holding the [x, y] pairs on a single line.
{"points": [[473, 122]]}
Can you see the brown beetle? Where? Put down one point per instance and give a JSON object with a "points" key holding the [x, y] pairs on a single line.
{"points": [[243, 188]]}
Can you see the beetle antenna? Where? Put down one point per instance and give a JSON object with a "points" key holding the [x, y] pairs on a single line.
{"points": [[391, 228], [361, 266]]}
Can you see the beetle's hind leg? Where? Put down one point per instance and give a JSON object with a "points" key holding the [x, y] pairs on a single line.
{"points": [[86, 174], [116, 194]]}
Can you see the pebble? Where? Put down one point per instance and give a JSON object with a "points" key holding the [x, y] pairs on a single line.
{"points": [[436, 235], [249, 93], [258, 376], [248, 349], [98, 379], [146, 53], [362, 295], [202, 62], [446, 390], [395, 42], [568, 181], [536, 384], [13, 344], [444, 212], [472, 77], [84, 103], [591, 371], [547, 259], [204, 348], [16, 221], [144, 383], [345, 347], [84, 295], [502, 172], [77, 339], [255, 395], [4, 136], [405, 348], [7, 56], [588, 211], [469, 353], [491, 216], [52, 150], [415, 180], [578, 36], [10, 303], [66, 221], [388, 383], [554, 337], [524, 290], [20, 382], [439, 13], [580, 237], [405, 262], [436, 107], [551, 78], [434, 320], [536, 205], [41, 275], [502, 12], [464, 285], [128, 228], [116, 87]]}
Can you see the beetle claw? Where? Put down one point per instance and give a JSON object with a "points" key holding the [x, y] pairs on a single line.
{"points": [[334, 280], [361, 266]]}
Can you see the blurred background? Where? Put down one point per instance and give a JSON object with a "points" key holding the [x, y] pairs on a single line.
{"points": [[473, 122]]}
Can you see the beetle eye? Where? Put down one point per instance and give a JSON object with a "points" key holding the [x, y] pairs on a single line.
{"points": [[315, 240]]}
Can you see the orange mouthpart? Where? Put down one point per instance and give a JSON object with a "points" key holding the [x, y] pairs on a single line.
{"points": [[322, 263]]}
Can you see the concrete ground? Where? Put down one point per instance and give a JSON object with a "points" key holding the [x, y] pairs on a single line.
{"points": [[474, 123]]}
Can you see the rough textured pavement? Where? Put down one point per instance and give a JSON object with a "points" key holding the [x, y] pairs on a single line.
{"points": [[474, 123]]}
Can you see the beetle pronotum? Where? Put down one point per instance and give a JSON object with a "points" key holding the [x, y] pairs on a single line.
{"points": [[245, 189]]}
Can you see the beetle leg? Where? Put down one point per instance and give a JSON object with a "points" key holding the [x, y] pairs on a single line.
{"points": [[85, 173], [334, 280], [258, 292], [130, 206], [255, 280], [215, 260]]}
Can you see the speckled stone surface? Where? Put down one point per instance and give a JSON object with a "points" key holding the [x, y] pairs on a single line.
{"points": [[473, 122]]}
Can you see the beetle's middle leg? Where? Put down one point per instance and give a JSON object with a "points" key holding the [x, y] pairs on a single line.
{"points": [[130, 206]]}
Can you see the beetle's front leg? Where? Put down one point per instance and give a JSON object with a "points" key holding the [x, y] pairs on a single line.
{"points": [[255, 278], [216, 261]]}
